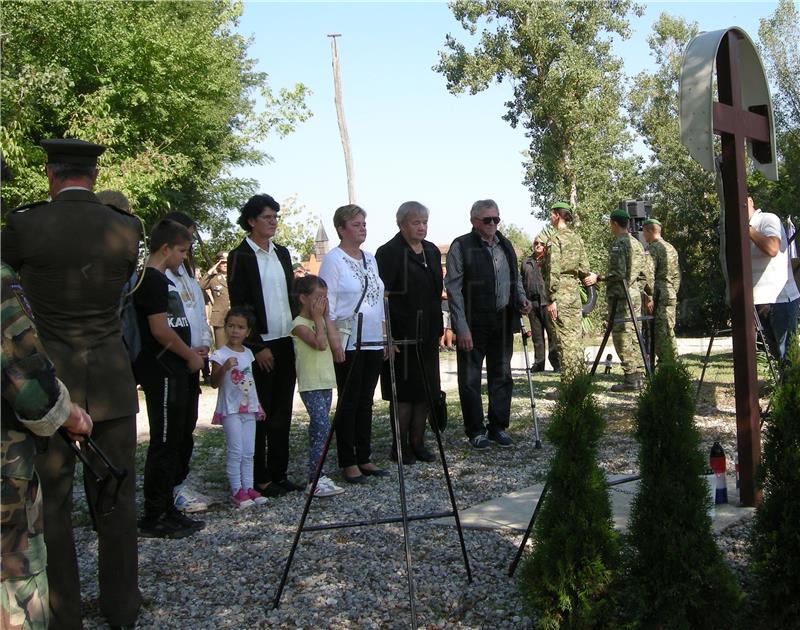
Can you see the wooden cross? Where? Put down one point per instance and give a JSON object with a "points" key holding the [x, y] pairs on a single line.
{"points": [[735, 125]]}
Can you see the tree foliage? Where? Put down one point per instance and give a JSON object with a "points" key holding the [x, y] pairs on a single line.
{"points": [[566, 94], [683, 194], [166, 86], [575, 548], [675, 576], [775, 542], [779, 37], [519, 238]]}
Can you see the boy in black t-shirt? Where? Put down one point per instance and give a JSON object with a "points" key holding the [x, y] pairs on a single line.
{"points": [[163, 367]]}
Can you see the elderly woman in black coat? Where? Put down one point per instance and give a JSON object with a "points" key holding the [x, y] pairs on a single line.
{"points": [[411, 270]]}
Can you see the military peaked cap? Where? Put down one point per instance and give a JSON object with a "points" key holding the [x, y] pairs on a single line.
{"points": [[72, 151]]}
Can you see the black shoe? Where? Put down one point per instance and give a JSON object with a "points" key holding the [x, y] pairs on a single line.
{"points": [[289, 486], [180, 519], [375, 472], [501, 438], [272, 490], [538, 367], [356, 479], [162, 527], [423, 453]]}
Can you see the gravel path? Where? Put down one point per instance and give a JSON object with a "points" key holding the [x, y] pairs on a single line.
{"points": [[226, 575]]}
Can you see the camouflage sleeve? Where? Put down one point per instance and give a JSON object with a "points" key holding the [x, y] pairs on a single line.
{"points": [[646, 276], [29, 381], [583, 261], [674, 268], [618, 255], [552, 269]]}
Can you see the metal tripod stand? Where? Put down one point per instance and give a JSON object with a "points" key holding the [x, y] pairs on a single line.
{"points": [[647, 361], [404, 517]]}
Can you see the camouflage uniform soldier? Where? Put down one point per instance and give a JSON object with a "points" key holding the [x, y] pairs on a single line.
{"points": [[34, 403], [626, 261], [667, 275], [565, 267]]}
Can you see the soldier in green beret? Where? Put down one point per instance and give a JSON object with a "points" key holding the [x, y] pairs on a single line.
{"points": [[626, 261], [667, 275], [565, 268], [35, 403]]}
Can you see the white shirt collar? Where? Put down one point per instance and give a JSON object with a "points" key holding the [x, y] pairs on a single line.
{"points": [[257, 248]]}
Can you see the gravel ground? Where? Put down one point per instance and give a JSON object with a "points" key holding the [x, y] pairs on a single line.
{"points": [[226, 576]]}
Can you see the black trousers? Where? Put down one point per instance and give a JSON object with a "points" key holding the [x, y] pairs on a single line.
{"points": [[117, 550], [353, 418], [167, 403], [190, 424], [542, 325], [275, 393], [493, 342]]}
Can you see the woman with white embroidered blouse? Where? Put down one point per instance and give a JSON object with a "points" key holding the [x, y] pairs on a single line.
{"points": [[354, 286]]}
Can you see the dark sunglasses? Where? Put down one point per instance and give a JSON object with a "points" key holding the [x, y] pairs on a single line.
{"points": [[490, 220]]}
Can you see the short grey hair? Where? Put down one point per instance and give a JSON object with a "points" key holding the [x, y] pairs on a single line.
{"points": [[71, 171], [408, 208], [482, 204], [344, 213], [114, 198]]}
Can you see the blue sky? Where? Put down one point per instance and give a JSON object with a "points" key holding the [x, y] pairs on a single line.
{"points": [[410, 138]]}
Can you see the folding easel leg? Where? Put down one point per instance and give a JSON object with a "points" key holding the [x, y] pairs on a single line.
{"points": [[317, 473], [443, 459], [705, 365], [632, 312], [607, 334], [512, 569]]}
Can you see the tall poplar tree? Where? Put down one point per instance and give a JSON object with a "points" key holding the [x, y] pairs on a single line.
{"points": [[683, 194], [566, 94]]}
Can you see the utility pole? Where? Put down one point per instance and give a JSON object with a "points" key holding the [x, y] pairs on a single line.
{"points": [[337, 86]]}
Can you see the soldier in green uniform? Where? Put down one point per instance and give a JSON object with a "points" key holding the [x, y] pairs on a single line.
{"points": [[35, 403], [627, 261], [667, 275], [565, 267], [74, 255]]}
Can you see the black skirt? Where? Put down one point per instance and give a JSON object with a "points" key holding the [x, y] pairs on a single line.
{"points": [[410, 386]]}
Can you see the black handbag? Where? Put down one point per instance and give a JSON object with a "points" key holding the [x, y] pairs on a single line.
{"points": [[439, 413]]}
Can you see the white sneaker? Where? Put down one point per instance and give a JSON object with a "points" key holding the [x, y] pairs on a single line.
{"points": [[189, 501], [325, 488]]}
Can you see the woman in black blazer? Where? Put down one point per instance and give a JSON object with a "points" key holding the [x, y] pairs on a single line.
{"points": [[411, 269]]}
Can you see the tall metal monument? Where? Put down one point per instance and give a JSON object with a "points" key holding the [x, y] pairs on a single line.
{"points": [[741, 116]]}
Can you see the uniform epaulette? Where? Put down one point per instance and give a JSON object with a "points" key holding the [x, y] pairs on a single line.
{"points": [[28, 206]]}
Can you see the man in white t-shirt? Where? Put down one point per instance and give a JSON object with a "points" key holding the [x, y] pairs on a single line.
{"points": [[775, 292]]}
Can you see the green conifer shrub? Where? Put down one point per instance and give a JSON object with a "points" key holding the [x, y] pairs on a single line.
{"points": [[575, 548], [674, 575], [775, 538]]}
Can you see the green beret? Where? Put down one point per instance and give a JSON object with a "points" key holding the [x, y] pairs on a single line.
{"points": [[71, 151], [652, 222], [617, 213], [560, 205]]}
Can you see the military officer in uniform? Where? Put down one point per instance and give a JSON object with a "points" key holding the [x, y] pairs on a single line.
{"points": [[35, 403], [627, 261], [667, 277], [565, 269], [74, 255], [216, 281]]}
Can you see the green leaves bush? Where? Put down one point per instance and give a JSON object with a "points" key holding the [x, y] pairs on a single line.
{"points": [[674, 575], [575, 550], [775, 539]]}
